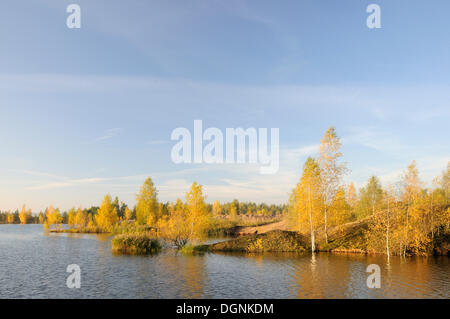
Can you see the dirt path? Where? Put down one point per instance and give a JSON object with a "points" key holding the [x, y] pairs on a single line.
{"points": [[242, 231]]}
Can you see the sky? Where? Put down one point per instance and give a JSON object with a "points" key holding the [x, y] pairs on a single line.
{"points": [[90, 111]]}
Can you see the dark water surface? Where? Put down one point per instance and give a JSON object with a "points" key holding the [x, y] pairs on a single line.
{"points": [[33, 265]]}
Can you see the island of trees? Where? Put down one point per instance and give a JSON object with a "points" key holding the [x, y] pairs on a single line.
{"points": [[325, 214]]}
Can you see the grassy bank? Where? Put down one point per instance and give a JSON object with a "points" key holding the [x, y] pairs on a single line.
{"points": [[273, 241], [350, 238], [135, 244]]}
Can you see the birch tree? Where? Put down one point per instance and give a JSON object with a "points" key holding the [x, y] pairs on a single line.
{"points": [[331, 170], [306, 201]]}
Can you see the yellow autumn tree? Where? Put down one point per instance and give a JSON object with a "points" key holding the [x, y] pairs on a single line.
{"points": [[339, 210], [306, 202], [81, 218], [437, 204], [71, 217], [198, 219], [24, 215], [54, 218], [175, 226], [216, 208], [410, 196], [419, 228], [10, 218], [91, 224], [128, 215], [147, 204], [382, 234], [106, 216]]}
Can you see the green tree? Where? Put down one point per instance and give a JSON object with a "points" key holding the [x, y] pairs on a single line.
{"points": [[370, 198]]}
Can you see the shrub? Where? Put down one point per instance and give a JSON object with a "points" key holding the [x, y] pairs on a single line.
{"points": [[135, 244]]}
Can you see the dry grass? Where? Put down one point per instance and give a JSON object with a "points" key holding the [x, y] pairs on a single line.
{"points": [[272, 241]]}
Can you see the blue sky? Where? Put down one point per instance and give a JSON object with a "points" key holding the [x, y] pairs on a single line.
{"points": [[90, 111]]}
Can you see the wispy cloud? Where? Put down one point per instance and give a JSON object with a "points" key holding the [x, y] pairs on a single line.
{"points": [[110, 133], [157, 142], [37, 174], [68, 183]]}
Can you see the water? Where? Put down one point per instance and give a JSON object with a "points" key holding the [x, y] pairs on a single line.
{"points": [[33, 265]]}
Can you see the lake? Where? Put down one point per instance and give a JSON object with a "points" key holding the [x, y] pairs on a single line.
{"points": [[33, 265]]}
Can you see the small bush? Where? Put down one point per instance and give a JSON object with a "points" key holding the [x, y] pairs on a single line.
{"points": [[135, 244], [192, 249]]}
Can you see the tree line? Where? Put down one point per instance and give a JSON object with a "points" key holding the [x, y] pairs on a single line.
{"points": [[231, 210]]}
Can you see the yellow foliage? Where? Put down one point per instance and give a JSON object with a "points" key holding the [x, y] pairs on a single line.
{"points": [[198, 219], [53, 217], [147, 204], [24, 215], [81, 218], [106, 216], [10, 218], [339, 210], [175, 226], [71, 217], [128, 213], [306, 202]]}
